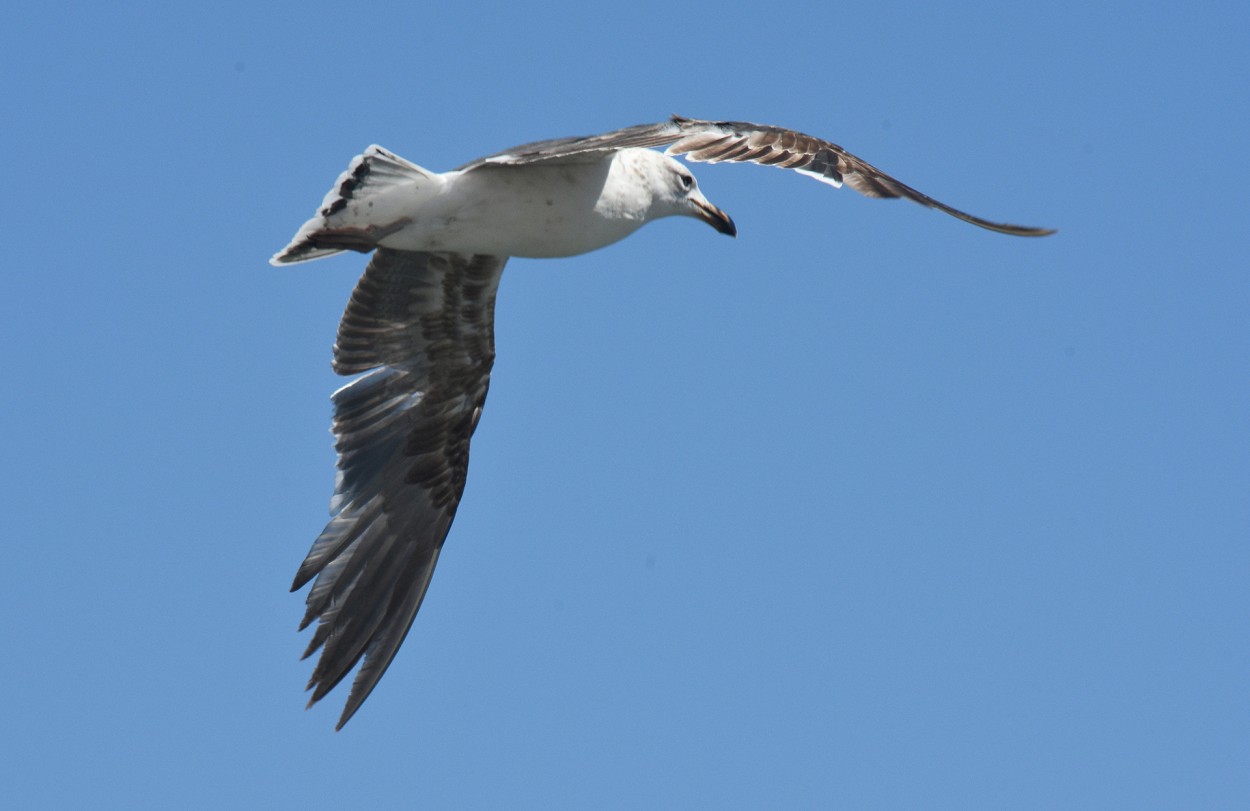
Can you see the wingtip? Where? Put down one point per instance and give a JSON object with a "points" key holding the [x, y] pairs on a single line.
{"points": [[1010, 229], [1028, 231], [343, 719], [349, 710]]}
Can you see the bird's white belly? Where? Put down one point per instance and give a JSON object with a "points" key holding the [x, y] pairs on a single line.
{"points": [[537, 210]]}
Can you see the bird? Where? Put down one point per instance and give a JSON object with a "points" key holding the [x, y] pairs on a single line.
{"points": [[418, 334]]}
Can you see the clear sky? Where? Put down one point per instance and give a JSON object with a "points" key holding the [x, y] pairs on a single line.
{"points": [[867, 508]]}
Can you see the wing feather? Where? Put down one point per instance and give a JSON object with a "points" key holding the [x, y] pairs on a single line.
{"points": [[421, 328]]}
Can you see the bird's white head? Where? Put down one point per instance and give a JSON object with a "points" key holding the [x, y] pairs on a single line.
{"points": [[674, 191]]}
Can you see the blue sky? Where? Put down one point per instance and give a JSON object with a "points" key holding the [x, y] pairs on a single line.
{"points": [[866, 508]]}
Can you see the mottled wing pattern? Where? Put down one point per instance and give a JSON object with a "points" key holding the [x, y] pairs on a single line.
{"points": [[740, 141], [421, 326]]}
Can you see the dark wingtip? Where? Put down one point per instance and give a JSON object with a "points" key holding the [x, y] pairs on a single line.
{"points": [[999, 227], [1025, 231], [348, 712]]}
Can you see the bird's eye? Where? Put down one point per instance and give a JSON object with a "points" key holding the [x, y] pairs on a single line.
{"points": [[687, 181]]}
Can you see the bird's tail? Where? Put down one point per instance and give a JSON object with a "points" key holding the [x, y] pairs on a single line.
{"points": [[367, 203]]}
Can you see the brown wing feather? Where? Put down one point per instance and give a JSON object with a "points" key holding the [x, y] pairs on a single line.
{"points": [[422, 326]]}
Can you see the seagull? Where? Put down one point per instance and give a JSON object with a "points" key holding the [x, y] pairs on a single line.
{"points": [[419, 332]]}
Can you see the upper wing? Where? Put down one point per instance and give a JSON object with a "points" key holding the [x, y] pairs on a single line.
{"points": [[424, 324], [714, 141]]}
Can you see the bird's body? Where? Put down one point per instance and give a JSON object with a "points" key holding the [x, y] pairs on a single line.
{"points": [[419, 327], [536, 210], [532, 211]]}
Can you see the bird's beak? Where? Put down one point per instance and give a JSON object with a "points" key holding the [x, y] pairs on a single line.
{"points": [[714, 217]]}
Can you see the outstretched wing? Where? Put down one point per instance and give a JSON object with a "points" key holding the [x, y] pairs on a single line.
{"points": [[716, 141], [422, 326]]}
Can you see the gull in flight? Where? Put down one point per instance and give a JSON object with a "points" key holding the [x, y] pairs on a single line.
{"points": [[419, 332]]}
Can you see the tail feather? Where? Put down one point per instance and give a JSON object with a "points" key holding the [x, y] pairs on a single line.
{"points": [[366, 204]]}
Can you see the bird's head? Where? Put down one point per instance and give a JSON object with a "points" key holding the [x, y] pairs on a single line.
{"points": [[675, 192]]}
